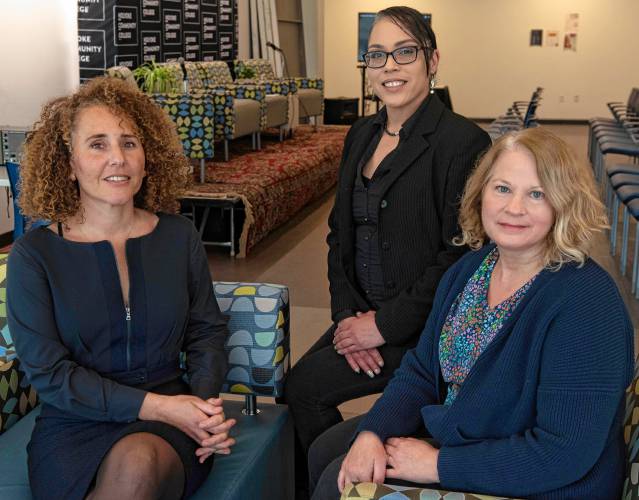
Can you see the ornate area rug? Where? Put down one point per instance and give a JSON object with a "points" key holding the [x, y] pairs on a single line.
{"points": [[276, 182]]}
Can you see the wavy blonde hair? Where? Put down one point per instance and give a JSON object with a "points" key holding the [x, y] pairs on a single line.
{"points": [[569, 186], [47, 191]]}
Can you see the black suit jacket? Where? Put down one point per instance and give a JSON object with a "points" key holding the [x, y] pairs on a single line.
{"points": [[417, 218]]}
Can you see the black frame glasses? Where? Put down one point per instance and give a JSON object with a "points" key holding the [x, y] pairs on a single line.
{"points": [[397, 54]]}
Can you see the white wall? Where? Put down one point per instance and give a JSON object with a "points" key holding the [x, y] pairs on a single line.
{"points": [[486, 59], [39, 55]]}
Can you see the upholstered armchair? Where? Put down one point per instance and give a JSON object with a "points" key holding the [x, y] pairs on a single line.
{"points": [[372, 491], [279, 92], [310, 91], [248, 114], [194, 116]]}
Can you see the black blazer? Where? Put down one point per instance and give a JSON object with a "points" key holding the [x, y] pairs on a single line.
{"points": [[417, 218]]}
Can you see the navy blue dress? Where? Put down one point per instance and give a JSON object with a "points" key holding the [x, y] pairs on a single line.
{"points": [[91, 364]]}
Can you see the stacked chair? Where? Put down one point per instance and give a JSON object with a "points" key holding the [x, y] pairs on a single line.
{"points": [[620, 182], [309, 91], [520, 115]]}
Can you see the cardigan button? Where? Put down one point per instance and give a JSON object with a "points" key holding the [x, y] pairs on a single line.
{"points": [[385, 245], [390, 284], [383, 204]]}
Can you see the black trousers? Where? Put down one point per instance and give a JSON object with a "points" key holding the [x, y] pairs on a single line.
{"points": [[322, 379], [319, 382]]}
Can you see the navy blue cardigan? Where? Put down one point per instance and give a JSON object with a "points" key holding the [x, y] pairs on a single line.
{"points": [[540, 414]]}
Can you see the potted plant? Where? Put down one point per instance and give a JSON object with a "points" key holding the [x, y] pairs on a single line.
{"points": [[153, 78], [243, 72]]}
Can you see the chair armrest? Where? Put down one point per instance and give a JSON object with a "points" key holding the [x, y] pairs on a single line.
{"points": [[281, 86], [309, 83], [17, 397], [372, 491], [258, 347]]}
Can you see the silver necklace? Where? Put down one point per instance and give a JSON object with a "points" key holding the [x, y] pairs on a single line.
{"points": [[388, 132]]}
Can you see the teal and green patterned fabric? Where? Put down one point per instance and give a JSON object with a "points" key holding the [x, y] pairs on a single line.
{"points": [[265, 75], [372, 491], [309, 83], [194, 116], [258, 346], [631, 435], [216, 76], [17, 398]]}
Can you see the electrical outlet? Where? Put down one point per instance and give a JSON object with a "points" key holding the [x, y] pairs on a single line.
{"points": [[575, 98], [561, 98]]}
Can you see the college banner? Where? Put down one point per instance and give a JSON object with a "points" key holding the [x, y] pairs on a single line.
{"points": [[132, 32]]}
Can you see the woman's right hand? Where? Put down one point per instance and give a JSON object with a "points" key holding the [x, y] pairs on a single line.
{"points": [[365, 461], [182, 411], [368, 360]]}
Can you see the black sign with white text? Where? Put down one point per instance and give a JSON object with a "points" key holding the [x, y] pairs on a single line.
{"points": [[132, 32]]}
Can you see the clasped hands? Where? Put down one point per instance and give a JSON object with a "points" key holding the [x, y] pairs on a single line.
{"points": [[407, 458], [203, 421], [357, 339]]}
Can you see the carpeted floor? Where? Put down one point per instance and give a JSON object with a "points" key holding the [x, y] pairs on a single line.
{"points": [[277, 181]]}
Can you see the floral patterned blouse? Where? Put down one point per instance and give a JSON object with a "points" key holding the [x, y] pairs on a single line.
{"points": [[471, 325]]}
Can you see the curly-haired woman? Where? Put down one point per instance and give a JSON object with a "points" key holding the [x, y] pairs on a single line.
{"points": [[102, 301]]}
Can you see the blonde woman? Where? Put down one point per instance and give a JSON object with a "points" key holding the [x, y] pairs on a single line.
{"points": [[519, 374]]}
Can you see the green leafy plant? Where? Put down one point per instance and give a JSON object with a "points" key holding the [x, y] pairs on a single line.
{"points": [[153, 78], [242, 71]]}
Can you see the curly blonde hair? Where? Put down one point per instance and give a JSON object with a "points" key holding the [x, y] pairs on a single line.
{"points": [[46, 189], [569, 186]]}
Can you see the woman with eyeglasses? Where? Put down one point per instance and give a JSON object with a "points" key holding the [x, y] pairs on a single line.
{"points": [[395, 214]]}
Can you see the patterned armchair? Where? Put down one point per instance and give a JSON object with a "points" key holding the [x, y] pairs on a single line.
{"points": [[194, 116], [310, 91], [258, 347], [279, 92], [371, 491], [248, 113], [258, 350]]}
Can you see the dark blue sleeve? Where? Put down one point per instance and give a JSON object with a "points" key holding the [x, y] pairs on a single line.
{"points": [[206, 330], [414, 384], [57, 378], [585, 367]]}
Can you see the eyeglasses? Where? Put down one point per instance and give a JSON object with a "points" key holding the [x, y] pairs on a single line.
{"points": [[402, 55]]}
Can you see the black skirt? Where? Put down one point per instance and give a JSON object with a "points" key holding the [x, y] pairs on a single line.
{"points": [[66, 451]]}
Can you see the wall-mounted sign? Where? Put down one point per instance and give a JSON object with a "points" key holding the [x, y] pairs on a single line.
{"points": [[125, 23], [192, 46], [151, 46], [209, 28], [128, 60], [91, 10], [150, 11], [191, 11], [92, 49], [172, 24]]}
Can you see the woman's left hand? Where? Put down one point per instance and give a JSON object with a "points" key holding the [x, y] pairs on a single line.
{"points": [[218, 426], [358, 333], [412, 460]]}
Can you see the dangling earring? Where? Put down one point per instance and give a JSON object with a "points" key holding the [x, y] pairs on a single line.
{"points": [[433, 81]]}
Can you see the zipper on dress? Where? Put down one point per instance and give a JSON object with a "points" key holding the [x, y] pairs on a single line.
{"points": [[128, 337]]}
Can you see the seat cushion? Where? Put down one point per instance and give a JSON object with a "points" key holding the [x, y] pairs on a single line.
{"points": [[247, 117], [276, 110], [310, 102], [259, 466]]}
